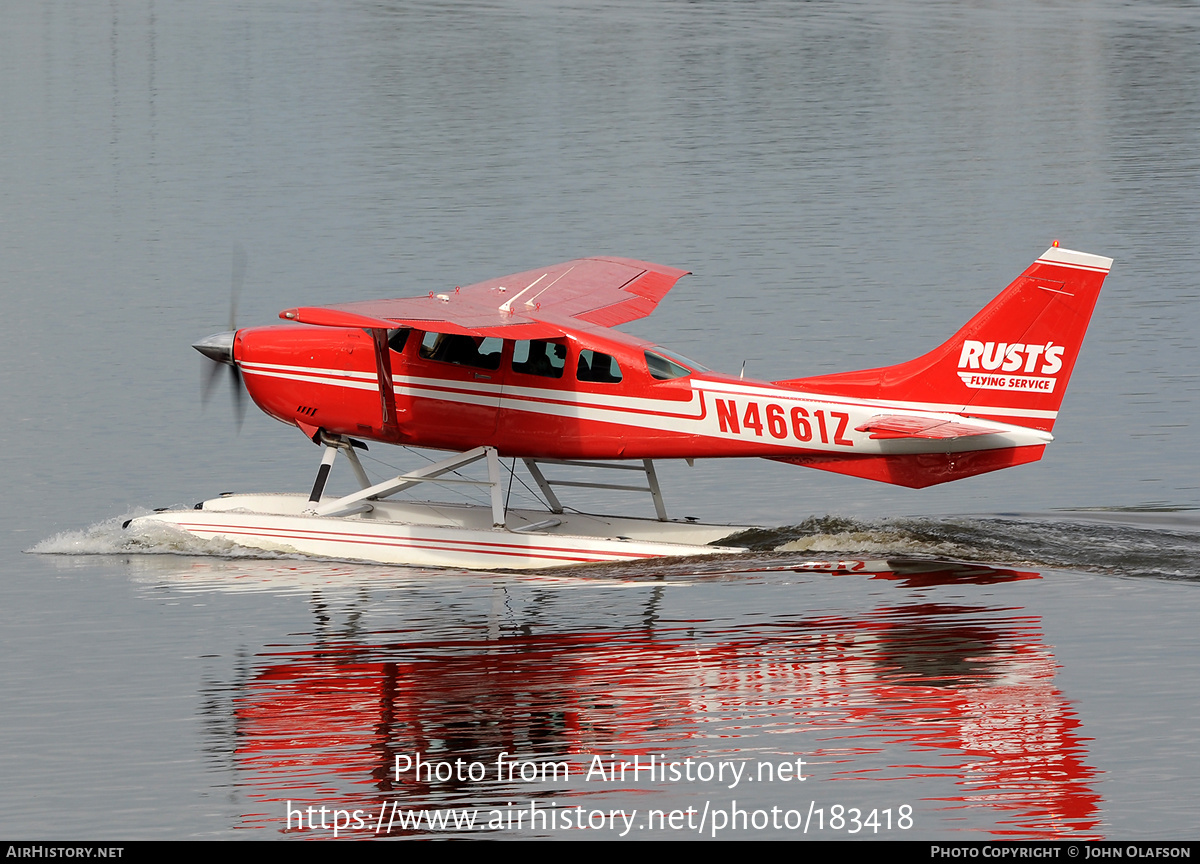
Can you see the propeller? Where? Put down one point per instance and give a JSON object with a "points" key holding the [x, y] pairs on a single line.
{"points": [[219, 346]]}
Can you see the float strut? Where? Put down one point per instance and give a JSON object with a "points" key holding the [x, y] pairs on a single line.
{"points": [[493, 463], [347, 446], [318, 489]]}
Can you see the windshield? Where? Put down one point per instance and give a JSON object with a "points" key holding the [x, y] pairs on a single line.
{"points": [[667, 365]]}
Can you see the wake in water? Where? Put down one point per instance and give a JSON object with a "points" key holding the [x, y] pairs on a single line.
{"points": [[1140, 545], [1136, 544]]}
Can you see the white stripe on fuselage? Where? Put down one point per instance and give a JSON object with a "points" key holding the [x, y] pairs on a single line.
{"points": [[926, 407], [697, 415], [311, 379]]}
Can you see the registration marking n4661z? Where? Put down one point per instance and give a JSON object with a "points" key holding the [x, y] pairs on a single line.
{"points": [[778, 423]]}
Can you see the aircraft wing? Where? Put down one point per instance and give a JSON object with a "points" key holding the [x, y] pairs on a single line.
{"points": [[536, 304], [894, 426]]}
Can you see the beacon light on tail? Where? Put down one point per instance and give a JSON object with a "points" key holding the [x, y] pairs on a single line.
{"points": [[528, 366]]}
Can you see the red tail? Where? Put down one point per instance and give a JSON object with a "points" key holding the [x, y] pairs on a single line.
{"points": [[1011, 362]]}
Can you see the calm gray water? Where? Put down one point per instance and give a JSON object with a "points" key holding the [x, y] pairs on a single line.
{"points": [[848, 182]]}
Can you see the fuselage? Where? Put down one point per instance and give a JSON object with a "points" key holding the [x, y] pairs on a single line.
{"points": [[589, 395]]}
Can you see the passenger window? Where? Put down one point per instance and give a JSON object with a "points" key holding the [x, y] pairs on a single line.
{"points": [[539, 357], [663, 369], [461, 350], [601, 368]]}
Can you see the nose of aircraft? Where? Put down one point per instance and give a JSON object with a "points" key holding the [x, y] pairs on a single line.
{"points": [[218, 347]]}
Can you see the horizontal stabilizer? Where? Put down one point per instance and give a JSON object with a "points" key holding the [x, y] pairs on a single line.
{"points": [[894, 426]]}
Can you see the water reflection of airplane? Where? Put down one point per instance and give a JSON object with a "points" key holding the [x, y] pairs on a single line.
{"points": [[968, 691]]}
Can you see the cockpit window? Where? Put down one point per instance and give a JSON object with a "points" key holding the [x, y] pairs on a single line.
{"points": [[594, 366], [664, 369], [398, 338], [462, 350], [539, 357]]}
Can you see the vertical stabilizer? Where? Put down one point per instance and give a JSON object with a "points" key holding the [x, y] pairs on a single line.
{"points": [[1011, 362]]}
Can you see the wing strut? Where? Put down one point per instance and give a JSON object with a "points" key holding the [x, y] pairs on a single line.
{"points": [[387, 392]]}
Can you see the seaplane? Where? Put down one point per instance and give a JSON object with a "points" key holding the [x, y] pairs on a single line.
{"points": [[530, 367]]}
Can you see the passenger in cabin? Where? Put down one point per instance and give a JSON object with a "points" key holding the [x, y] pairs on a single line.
{"points": [[541, 358], [461, 350]]}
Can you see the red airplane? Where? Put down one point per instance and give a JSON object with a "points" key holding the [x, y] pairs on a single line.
{"points": [[529, 366]]}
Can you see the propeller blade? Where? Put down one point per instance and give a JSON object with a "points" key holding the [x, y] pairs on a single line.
{"points": [[235, 282], [239, 397], [219, 347], [211, 371]]}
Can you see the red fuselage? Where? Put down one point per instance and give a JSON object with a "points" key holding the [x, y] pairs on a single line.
{"points": [[595, 398]]}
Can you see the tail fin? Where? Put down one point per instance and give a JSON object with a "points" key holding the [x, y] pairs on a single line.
{"points": [[1011, 362]]}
